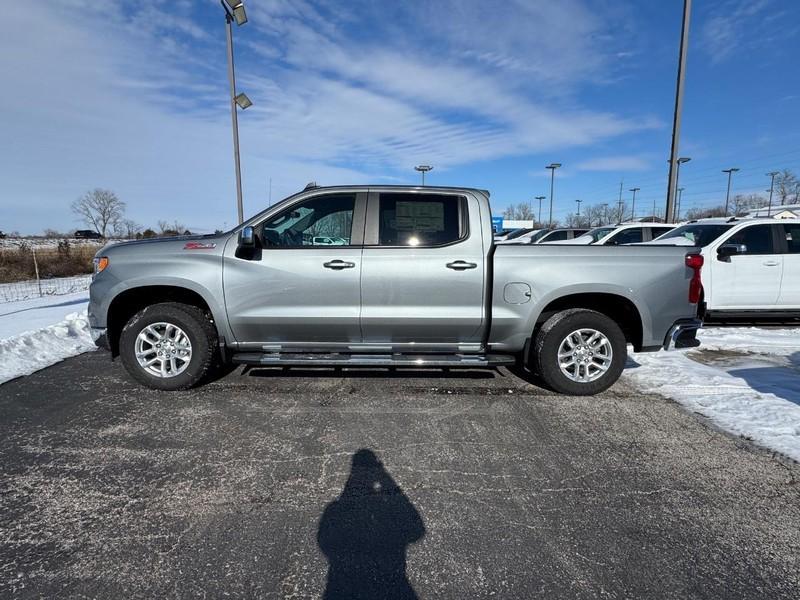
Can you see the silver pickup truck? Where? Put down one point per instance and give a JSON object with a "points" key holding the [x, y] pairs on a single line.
{"points": [[388, 276]]}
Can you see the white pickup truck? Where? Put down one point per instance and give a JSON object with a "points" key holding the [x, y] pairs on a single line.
{"points": [[752, 265]]}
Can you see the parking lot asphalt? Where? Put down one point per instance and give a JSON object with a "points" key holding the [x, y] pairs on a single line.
{"points": [[369, 484]]}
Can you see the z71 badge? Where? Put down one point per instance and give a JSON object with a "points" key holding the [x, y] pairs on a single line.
{"points": [[199, 246]]}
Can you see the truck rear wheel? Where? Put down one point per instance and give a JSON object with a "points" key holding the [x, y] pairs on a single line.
{"points": [[579, 352], [168, 346]]}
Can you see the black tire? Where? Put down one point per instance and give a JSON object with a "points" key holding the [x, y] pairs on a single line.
{"points": [[198, 328], [545, 361]]}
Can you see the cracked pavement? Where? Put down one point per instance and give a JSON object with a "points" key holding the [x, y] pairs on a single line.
{"points": [[295, 484]]}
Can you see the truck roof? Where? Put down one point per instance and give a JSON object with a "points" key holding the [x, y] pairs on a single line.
{"points": [[390, 187]]}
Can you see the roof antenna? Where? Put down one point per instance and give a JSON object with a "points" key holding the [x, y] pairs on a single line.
{"points": [[310, 185]]}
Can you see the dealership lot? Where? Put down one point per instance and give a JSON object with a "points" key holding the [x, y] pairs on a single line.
{"points": [[488, 486]]}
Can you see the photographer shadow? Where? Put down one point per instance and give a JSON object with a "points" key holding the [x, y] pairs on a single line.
{"points": [[365, 532]]}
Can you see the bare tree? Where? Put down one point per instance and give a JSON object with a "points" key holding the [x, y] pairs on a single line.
{"points": [[705, 213], [127, 228], [170, 229], [521, 211], [785, 185], [743, 204], [100, 209]]}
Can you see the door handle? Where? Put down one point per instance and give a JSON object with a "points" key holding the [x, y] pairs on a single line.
{"points": [[338, 265], [461, 265], [771, 263]]}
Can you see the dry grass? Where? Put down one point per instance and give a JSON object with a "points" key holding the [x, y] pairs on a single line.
{"points": [[66, 260]]}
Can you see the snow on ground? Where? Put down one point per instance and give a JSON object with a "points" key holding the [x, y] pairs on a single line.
{"points": [[37, 333], [745, 380]]}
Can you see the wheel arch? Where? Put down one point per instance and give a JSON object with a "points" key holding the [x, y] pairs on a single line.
{"points": [[620, 308], [131, 300]]}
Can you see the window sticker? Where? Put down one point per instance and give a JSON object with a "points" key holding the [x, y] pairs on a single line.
{"points": [[419, 216]]}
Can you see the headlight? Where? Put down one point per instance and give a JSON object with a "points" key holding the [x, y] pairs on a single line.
{"points": [[100, 263]]}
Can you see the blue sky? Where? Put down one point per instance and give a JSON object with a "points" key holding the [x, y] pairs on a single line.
{"points": [[132, 96]]}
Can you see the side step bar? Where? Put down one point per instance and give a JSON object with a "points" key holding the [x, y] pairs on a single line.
{"points": [[335, 359]]}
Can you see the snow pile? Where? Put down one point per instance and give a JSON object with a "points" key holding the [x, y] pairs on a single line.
{"points": [[35, 334], [28, 352], [746, 380]]}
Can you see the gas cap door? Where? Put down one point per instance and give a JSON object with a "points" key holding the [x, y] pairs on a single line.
{"points": [[517, 293]]}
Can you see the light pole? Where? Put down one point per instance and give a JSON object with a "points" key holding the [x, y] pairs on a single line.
{"points": [[604, 206], [771, 187], [633, 203], [552, 167], [578, 202], [539, 218], [678, 163], [730, 172], [676, 119], [234, 11], [678, 206], [423, 169]]}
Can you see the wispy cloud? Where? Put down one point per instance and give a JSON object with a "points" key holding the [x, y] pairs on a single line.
{"points": [[618, 164], [133, 95], [739, 26]]}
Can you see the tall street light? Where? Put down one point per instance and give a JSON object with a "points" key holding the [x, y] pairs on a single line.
{"points": [[730, 172], [234, 11], [633, 203], [676, 119], [771, 187], [539, 218], [604, 206], [668, 217], [578, 202], [678, 206], [552, 167], [423, 169]]}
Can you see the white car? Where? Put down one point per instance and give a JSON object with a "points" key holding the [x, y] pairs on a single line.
{"points": [[626, 233], [751, 266], [523, 238], [511, 235], [542, 236]]}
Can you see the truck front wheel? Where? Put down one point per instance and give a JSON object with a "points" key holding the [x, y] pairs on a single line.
{"points": [[168, 346], [579, 352]]}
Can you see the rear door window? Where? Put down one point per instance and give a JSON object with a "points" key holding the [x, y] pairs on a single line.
{"points": [[421, 219], [792, 232]]}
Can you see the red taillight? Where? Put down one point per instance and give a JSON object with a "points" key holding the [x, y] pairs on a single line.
{"points": [[695, 263]]}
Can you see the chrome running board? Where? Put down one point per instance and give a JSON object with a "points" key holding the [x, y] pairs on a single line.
{"points": [[336, 359]]}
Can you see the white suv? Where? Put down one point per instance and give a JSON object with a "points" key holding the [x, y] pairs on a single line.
{"points": [[626, 233], [752, 265]]}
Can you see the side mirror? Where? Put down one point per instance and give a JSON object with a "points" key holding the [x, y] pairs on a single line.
{"points": [[247, 238], [725, 251]]}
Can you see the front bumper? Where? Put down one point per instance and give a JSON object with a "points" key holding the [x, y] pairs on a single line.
{"points": [[683, 334]]}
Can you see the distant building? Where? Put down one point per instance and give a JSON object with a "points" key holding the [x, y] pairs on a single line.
{"points": [[787, 211]]}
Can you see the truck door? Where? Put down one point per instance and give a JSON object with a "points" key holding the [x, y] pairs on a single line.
{"points": [[749, 280], [790, 282], [423, 271], [298, 288]]}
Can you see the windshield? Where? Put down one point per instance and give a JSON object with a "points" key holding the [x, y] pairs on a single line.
{"points": [[516, 233], [597, 233], [698, 234], [539, 235]]}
